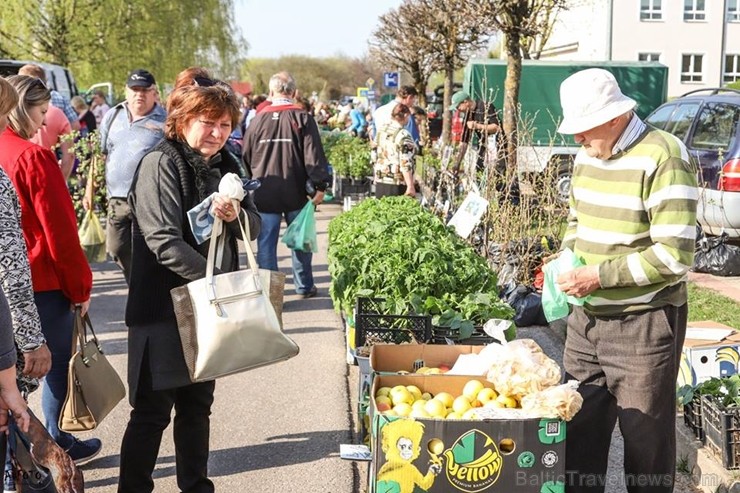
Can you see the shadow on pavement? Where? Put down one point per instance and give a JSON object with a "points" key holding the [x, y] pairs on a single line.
{"points": [[282, 450], [310, 330]]}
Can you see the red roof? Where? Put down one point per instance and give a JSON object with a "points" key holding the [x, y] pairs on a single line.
{"points": [[241, 87]]}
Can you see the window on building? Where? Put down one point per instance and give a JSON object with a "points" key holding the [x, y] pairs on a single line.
{"points": [[648, 57], [651, 10], [732, 68], [733, 10], [691, 68], [694, 10]]}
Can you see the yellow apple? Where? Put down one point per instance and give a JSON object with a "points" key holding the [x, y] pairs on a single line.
{"points": [[507, 401], [401, 395], [494, 404], [418, 404], [461, 404], [426, 396], [383, 399], [436, 446], [471, 389], [419, 413], [470, 414], [486, 395], [446, 398], [383, 391], [383, 406], [390, 412], [454, 415], [414, 391], [402, 409], [435, 408], [433, 371]]}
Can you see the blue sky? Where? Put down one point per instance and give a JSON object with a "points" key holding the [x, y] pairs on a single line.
{"points": [[318, 28]]}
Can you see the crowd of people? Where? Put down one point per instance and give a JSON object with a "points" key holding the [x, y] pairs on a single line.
{"points": [[163, 158]]}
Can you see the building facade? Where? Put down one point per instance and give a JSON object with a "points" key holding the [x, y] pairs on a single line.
{"points": [[699, 40]]}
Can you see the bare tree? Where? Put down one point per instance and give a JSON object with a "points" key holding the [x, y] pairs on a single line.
{"points": [[452, 30], [523, 23], [397, 43]]}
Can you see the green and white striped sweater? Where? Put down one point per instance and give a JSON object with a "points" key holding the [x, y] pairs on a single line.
{"points": [[634, 215]]}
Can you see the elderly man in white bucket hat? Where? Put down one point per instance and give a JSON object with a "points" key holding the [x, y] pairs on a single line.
{"points": [[632, 222]]}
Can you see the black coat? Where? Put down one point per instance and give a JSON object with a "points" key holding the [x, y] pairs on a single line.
{"points": [[165, 255]]}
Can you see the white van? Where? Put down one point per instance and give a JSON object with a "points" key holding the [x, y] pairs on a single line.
{"points": [[58, 77]]}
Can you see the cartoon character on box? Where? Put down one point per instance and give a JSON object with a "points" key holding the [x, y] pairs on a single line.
{"points": [[727, 359], [401, 444]]}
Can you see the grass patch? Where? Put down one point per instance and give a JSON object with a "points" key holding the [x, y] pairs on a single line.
{"points": [[707, 304]]}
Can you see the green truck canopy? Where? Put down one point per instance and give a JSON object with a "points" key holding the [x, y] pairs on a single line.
{"points": [[539, 91]]}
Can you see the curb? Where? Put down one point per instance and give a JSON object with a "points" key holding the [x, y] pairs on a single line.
{"points": [[708, 474]]}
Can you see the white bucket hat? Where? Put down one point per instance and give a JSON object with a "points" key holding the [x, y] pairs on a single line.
{"points": [[590, 98]]}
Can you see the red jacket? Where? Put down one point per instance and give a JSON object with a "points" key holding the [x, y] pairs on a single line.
{"points": [[47, 217]]}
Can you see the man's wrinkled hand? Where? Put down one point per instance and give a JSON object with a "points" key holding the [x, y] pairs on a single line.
{"points": [[580, 282]]}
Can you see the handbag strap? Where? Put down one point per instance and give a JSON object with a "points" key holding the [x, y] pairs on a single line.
{"points": [[210, 261], [79, 333]]}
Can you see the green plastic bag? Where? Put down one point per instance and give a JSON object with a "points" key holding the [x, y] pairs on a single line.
{"points": [[92, 238], [554, 301], [301, 233]]}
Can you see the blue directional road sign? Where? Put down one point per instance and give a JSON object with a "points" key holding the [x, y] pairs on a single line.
{"points": [[390, 79]]}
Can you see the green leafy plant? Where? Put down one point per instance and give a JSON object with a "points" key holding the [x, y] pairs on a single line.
{"points": [[394, 249], [349, 156], [87, 151], [726, 390]]}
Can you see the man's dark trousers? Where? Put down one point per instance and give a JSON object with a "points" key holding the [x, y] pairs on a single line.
{"points": [[627, 366]]}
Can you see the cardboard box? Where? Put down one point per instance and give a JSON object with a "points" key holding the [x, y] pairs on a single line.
{"points": [[711, 349], [441, 456], [392, 358]]}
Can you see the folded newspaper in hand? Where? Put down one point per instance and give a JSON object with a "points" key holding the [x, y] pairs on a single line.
{"points": [[200, 217]]}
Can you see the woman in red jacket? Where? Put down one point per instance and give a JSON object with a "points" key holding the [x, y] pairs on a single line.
{"points": [[60, 273]]}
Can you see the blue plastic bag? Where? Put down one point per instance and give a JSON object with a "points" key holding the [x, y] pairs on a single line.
{"points": [[554, 301], [301, 233]]}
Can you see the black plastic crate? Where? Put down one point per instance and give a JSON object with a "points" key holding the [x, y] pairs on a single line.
{"points": [[692, 418], [440, 335], [722, 431], [374, 325], [350, 186]]}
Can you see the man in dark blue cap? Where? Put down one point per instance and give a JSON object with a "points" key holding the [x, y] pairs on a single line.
{"points": [[128, 131]]}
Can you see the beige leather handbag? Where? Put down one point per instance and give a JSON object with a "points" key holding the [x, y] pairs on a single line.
{"points": [[227, 322], [94, 387]]}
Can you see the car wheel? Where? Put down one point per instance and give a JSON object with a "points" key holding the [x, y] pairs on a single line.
{"points": [[562, 182]]}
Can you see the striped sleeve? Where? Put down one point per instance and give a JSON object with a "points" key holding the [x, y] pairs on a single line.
{"points": [[670, 196]]}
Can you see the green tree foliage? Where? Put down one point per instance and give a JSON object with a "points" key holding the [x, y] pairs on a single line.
{"points": [[103, 41], [330, 77]]}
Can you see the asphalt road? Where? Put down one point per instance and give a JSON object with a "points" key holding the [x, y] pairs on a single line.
{"points": [[274, 429]]}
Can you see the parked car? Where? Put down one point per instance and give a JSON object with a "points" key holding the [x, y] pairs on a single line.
{"points": [[58, 77], [706, 120]]}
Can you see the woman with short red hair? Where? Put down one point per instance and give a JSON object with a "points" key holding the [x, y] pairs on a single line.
{"points": [[181, 171]]}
